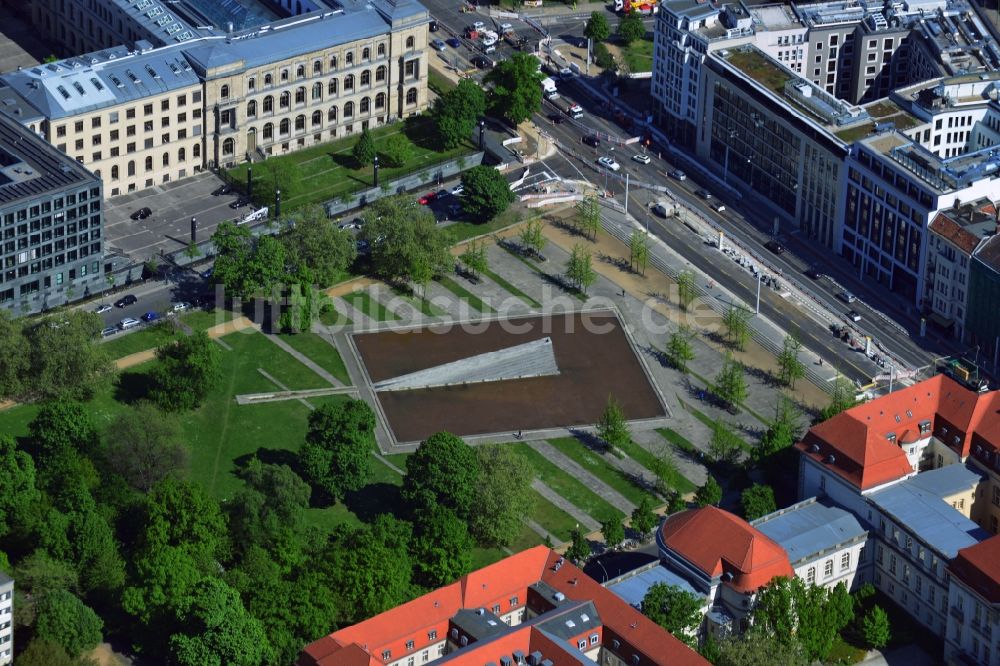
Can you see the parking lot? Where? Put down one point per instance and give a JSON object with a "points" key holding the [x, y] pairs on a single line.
{"points": [[168, 228]]}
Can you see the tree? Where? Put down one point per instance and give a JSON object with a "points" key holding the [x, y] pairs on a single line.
{"points": [[730, 385], [603, 57], [143, 446], [876, 628], [759, 647], [588, 216], [186, 371], [405, 242], [579, 268], [679, 348], [245, 265], [15, 357], [486, 193], [503, 495], [515, 94], [725, 445], [532, 237], [270, 512], [441, 548], [455, 113], [685, 289], [579, 549], [676, 610], [664, 466], [613, 427], [163, 580], [66, 621], [638, 252], [757, 501], [364, 148], [317, 247], [709, 493], [181, 514], [94, 550], [631, 28], [397, 150], [338, 449], [18, 494], [613, 531], [444, 470], [475, 258], [62, 425], [643, 517], [597, 27], [737, 323], [808, 614], [66, 361], [782, 432], [41, 652], [842, 398], [217, 629], [790, 367]]}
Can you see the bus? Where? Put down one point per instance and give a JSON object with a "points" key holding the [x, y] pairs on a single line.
{"points": [[641, 6]]}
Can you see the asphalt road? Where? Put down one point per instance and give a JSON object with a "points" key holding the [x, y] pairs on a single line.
{"points": [[814, 333]]}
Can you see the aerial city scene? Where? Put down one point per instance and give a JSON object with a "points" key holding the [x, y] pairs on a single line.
{"points": [[524, 333]]}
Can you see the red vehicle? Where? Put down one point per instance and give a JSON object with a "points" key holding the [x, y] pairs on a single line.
{"points": [[427, 198]]}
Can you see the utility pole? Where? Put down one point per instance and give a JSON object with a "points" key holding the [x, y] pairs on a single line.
{"points": [[757, 309], [626, 199]]}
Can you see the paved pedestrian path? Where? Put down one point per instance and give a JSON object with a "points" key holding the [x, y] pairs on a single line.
{"points": [[388, 463], [578, 515], [567, 464], [302, 358], [284, 394], [690, 467], [544, 533], [632, 469]]}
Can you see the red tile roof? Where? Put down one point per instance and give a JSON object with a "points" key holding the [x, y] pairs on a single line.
{"points": [[858, 437], [362, 644], [717, 542], [956, 233], [979, 568]]}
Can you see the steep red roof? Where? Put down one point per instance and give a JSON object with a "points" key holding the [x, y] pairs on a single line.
{"points": [[953, 231], [858, 438], [979, 568], [717, 542]]}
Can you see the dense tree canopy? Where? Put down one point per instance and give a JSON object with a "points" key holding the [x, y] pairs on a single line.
{"points": [[63, 619], [515, 94], [143, 446], [245, 265], [443, 471], [674, 609], [316, 247], [810, 615], [18, 494], [406, 243], [455, 112], [65, 361], [486, 193], [757, 501], [503, 495], [441, 547], [186, 370], [337, 454]]}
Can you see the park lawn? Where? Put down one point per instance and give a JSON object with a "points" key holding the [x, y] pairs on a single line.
{"points": [[569, 488], [647, 459], [321, 352], [464, 295], [603, 470], [148, 337], [639, 55], [334, 318], [328, 171], [398, 459], [438, 82], [202, 320], [678, 440], [511, 289], [551, 517], [482, 557], [363, 301], [252, 350], [464, 230]]}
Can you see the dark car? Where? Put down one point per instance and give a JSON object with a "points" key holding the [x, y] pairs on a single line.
{"points": [[239, 203], [591, 140], [433, 26], [150, 316], [453, 42], [224, 189], [775, 246], [556, 118], [126, 300], [482, 62], [141, 214], [108, 331], [704, 194], [813, 274]]}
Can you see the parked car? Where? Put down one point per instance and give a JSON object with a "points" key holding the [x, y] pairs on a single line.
{"points": [[150, 316], [591, 140], [457, 190], [641, 158], [239, 203], [813, 274], [775, 246], [575, 111], [427, 198], [717, 206], [556, 118], [126, 300], [482, 62], [180, 306], [453, 42], [108, 331], [438, 45], [608, 163], [847, 296], [566, 73], [504, 27], [127, 323], [433, 27], [853, 315], [141, 214], [677, 174], [102, 308], [704, 194], [478, 25], [223, 189], [490, 48]]}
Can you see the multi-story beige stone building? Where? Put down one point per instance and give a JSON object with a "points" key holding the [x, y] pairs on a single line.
{"points": [[147, 116]]}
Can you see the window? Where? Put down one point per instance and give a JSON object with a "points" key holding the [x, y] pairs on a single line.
{"points": [[432, 635], [300, 123], [78, 126], [317, 118], [349, 58], [224, 92], [513, 602], [331, 87], [409, 43], [268, 104], [166, 159], [582, 644], [61, 130], [811, 575], [409, 645], [181, 155], [147, 110], [411, 69], [251, 83], [317, 91], [284, 75], [386, 655], [300, 72], [300, 95], [845, 561], [228, 147], [380, 50], [317, 67], [366, 78], [380, 101], [252, 108], [268, 131], [129, 113], [349, 82], [333, 62], [285, 100], [828, 569], [131, 168], [268, 80], [594, 638], [364, 106], [331, 115], [366, 53], [349, 110], [114, 172], [284, 126], [411, 96], [380, 73]]}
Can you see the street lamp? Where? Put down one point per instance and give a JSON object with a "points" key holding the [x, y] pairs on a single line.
{"points": [[482, 129], [375, 166], [277, 203]]}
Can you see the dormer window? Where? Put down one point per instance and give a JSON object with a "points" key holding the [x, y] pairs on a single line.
{"points": [[925, 427], [898, 419], [891, 437]]}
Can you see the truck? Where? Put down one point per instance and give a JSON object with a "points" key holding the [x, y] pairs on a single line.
{"points": [[549, 88]]}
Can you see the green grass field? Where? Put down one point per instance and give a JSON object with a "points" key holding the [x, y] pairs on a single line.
{"points": [[328, 171], [641, 455], [638, 56], [324, 354], [363, 301], [334, 318], [201, 320], [464, 294], [564, 484], [595, 464], [551, 517], [149, 337]]}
